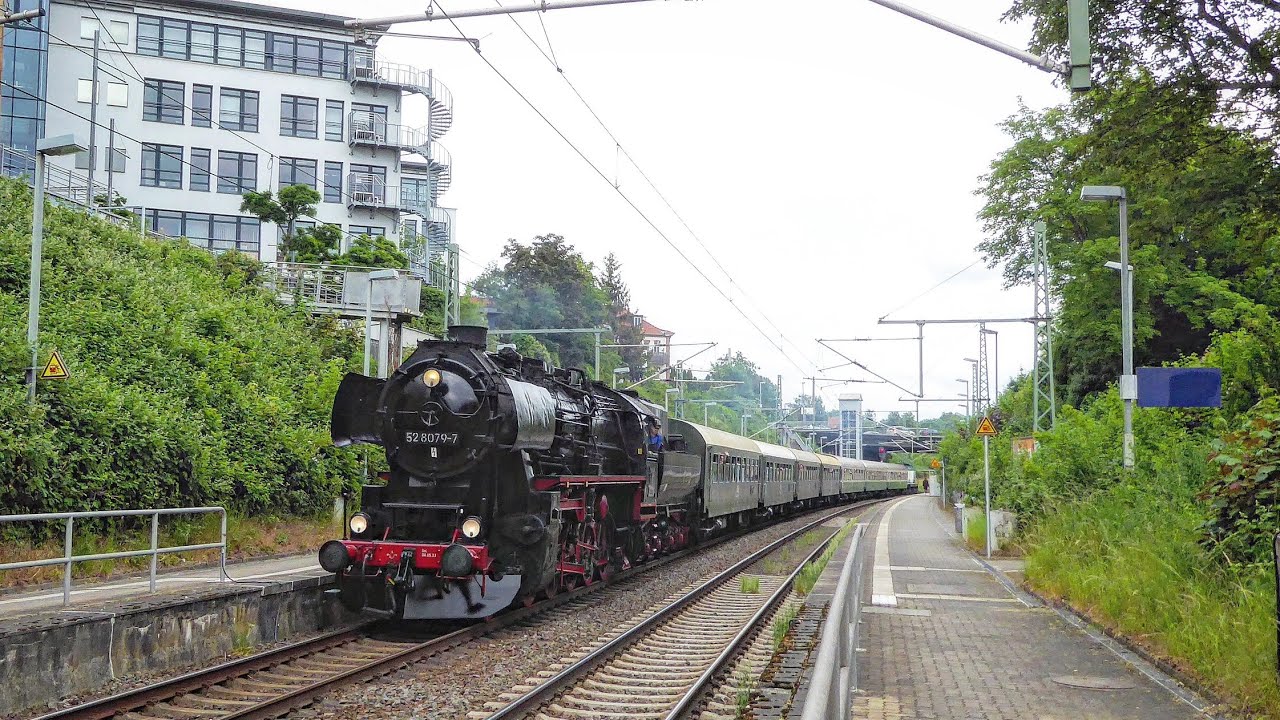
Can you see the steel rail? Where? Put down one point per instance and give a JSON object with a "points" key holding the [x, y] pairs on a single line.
{"points": [[164, 690], [569, 676], [686, 705]]}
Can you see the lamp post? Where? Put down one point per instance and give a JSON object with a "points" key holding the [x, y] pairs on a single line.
{"points": [[374, 276], [976, 386], [45, 148], [965, 395], [619, 371], [995, 355], [745, 418], [1128, 383], [666, 399]]}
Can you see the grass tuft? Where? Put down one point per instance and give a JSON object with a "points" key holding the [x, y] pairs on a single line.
{"points": [[749, 585]]}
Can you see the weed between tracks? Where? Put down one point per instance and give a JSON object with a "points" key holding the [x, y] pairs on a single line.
{"points": [[746, 687], [749, 585], [809, 575]]}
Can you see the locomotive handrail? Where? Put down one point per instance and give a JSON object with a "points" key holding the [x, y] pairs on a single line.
{"points": [[155, 551]]}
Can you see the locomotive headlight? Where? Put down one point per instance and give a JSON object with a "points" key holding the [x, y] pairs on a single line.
{"points": [[431, 378], [359, 523], [471, 527]]}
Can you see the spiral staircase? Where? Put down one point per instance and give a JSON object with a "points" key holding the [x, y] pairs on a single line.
{"points": [[372, 131]]}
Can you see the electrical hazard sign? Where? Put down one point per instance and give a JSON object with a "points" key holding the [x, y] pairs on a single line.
{"points": [[56, 369], [986, 427]]}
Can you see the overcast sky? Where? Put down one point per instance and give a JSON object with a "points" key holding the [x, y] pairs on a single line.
{"points": [[825, 152]]}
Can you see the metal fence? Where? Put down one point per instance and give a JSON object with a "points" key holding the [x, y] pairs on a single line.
{"points": [[155, 551], [835, 671]]}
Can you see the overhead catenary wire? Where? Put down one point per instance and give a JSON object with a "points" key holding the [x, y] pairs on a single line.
{"points": [[627, 199], [620, 149]]}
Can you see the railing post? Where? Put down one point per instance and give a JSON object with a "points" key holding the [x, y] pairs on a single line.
{"points": [[222, 565], [155, 545], [66, 571]]}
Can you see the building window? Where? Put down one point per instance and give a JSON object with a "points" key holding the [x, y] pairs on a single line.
{"points": [[200, 160], [637, 320], [370, 230], [297, 171], [163, 101], [333, 182], [237, 172], [117, 160], [118, 94], [119, 32], [239, 110], [373, 113], [87, 27], [84, 91], [299, 116], [201, 105], [201, 42], [82, 160], [162, 166], [333, 120], [212, 232], [415, 191]]}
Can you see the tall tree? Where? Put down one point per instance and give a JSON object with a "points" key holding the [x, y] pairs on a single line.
{"points": [[625, 332], [548, 284]]}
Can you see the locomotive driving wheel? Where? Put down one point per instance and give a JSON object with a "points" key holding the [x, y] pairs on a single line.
{"points": [[602, 555]]}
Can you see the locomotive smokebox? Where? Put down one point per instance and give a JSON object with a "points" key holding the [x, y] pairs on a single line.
{"points": [[476, 335]]}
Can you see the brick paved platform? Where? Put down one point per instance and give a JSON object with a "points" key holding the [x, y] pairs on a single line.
{"points": [[949, 640]]}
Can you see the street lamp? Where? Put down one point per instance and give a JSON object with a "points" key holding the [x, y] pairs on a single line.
{"points": [[374, 276], [45, 148], [619, 371], [965, 395], [1128, 383], [745, 418], [976, 387], [666, 399]]}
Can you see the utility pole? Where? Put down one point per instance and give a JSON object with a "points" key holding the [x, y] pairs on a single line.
{"points": [[93, 118]]}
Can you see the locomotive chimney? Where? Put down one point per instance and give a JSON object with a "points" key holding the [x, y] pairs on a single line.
{"points": [[477, 335]]}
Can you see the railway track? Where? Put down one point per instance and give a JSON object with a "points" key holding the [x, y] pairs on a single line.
{"points": [[273, 683], [663, 666]]}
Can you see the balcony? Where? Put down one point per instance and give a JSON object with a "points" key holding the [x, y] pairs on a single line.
{"points": [[370, 130], [371, 192], [368, 71]]}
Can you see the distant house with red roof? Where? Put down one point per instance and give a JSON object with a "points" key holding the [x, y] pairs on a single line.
{"points": [[655, 339]]}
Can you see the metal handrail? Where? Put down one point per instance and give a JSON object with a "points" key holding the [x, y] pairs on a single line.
{"points": [[155, 551], [366, 66], [835, 670]]}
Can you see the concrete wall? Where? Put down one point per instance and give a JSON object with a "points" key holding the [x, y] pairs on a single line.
{"points": [[52, 657]]}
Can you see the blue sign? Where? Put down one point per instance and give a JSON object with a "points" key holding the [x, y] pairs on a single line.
{"points": [[1179, 387]]}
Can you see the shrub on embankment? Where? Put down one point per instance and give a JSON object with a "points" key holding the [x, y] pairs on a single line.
{"points": [[190, 385]]}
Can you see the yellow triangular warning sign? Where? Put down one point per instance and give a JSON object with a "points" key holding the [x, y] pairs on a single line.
{"points": [[986, 427], [56, 369]]}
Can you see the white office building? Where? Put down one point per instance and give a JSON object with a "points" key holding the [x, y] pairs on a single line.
{"points": [[211, 99]]}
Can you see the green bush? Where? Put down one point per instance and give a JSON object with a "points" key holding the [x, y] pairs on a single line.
{"points": [[190, 385], [1244, 497]]}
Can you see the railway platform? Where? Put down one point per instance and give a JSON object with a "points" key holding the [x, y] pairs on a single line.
{"points": [[946, 636], [119, 628]]}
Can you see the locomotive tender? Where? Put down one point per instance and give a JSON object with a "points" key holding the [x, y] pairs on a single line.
{"points": [[511, 479]]}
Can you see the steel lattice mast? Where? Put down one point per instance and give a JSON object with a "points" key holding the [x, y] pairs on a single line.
{"points": [[1043, 403]]}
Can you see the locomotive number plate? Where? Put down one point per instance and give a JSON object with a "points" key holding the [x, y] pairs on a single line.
{"points": [[432, 438]]}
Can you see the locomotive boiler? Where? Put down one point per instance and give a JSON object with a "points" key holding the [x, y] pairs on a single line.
{"points": [[508, 478]]}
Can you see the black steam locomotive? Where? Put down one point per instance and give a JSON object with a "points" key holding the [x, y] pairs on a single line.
{"points": [[512, 479]]}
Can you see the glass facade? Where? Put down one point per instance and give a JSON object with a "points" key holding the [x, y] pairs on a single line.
{"points": [[26, 69]]}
